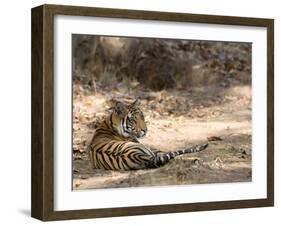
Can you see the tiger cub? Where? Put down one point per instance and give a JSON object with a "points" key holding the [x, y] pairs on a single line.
{"points": [[114, 145]]}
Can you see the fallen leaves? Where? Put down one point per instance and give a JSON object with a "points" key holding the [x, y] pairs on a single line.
{"points": [[79, 144]]}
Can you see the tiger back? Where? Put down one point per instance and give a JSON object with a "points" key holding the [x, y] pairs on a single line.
{"points": [[115, 144]]}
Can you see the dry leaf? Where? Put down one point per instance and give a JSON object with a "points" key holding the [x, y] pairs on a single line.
{"points": [[214, 138]]}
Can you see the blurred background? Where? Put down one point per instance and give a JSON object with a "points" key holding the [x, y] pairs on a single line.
{"points": [[159, 64]]}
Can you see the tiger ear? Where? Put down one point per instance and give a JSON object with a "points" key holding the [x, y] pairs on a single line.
{"points": [[120, 109], [136, 103]]}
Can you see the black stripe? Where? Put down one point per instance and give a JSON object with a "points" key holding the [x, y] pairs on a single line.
{"points": [[122, 144], [109, 148], [99, 149], [99, 163], [133, 158], [105, 162], [119, 151], [122, 165], [104, 131], [110, 159], [119, 162], [109, 127], [136, 147], [138, 155], [104, 152], [113, 160], [144, 157], [116, 148], [124, 161], [122, 125], [111, 122]]}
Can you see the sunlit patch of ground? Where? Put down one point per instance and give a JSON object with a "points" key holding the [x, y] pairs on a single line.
{"points": [[175, 119]]}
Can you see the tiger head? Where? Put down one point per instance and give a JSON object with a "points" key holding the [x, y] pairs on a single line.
{"points": [[128, 120]]}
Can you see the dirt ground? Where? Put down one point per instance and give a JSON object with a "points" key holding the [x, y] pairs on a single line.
{"points": [[175, 119]]}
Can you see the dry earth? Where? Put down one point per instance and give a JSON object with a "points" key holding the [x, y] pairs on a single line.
{"points": [[175, 119]]}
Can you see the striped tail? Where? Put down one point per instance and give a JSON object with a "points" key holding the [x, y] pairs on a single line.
{"points": [[163, 158]]}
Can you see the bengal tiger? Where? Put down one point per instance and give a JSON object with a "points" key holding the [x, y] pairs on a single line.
{"points": [[114, 145]]}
